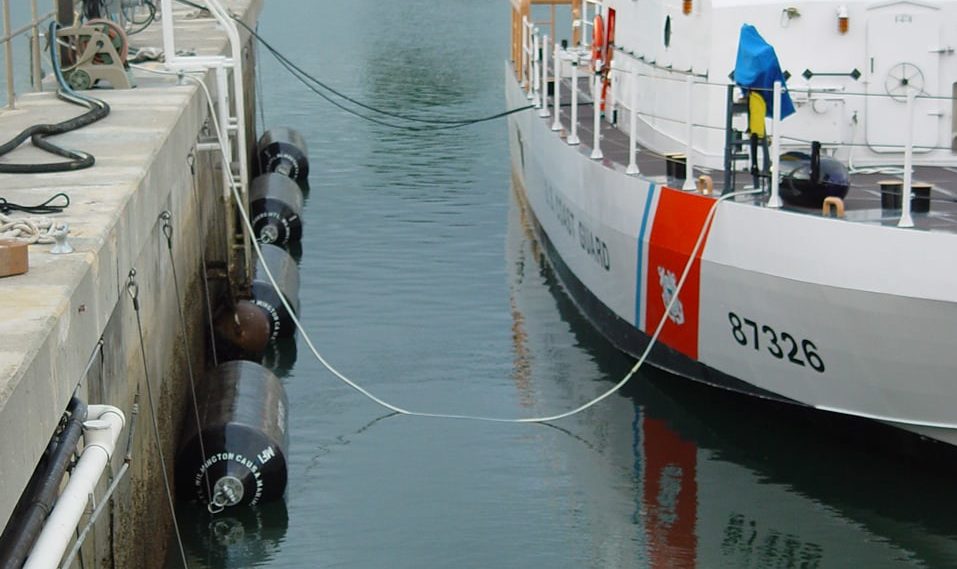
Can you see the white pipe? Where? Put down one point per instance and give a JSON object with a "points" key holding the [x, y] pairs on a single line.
{"points": [[689, 184], [221, 64], [544, 112], [536, 100], [573, 136], [906, 220], [169, 42], [632, 169], [775, 200], [100, 434], [596, 123], [557, 123], [583, 36]]}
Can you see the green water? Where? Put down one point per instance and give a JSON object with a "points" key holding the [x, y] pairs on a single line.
{"points": [[420, 280]]}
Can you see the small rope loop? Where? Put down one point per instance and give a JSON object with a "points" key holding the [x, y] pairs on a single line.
{"points": [[133, 289], [167, 218], [191, 162]]}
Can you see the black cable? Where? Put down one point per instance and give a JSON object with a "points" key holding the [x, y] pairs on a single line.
{"points": [[44, 208], [304, 74], [293, 70], [145, 23], [311, 82], [37, 133]]}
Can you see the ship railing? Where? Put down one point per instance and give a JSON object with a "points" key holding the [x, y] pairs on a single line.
{"points": [[32, 28], [695, 81]]}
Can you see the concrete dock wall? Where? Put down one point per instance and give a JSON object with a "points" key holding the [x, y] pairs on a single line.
{"points": [[54, 316]]}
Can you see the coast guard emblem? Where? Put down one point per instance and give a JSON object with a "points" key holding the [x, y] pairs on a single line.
{"points": [[668, 284]]}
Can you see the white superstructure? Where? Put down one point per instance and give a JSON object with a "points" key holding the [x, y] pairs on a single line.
{"points": [[852, 315]]}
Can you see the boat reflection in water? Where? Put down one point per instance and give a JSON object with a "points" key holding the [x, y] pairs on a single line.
{"points": [[234, 539], [681, 475]]}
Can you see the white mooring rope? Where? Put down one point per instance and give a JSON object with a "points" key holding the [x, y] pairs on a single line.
{"points": [[395, 408]]}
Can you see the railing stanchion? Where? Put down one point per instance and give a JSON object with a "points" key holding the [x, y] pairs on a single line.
{"points": [[8, 52], [573, 135], [556, 95], [596, 153], [632, 169], [35, 49], [526, 60], [536, 76], [544, 89], [689, 184], [906, 220], [775, 200]]}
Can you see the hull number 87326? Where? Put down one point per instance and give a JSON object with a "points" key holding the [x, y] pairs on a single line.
{"points": [[779, 344]]}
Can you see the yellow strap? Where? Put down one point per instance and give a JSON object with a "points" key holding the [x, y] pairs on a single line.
{"points": [[757, 109]]}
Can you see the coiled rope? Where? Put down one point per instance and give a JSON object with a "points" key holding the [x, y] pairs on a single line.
{"points": [[31, 230]]}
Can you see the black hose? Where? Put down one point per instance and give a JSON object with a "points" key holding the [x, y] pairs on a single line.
{"points": [[44, 208], [37, 500], [37, 133]]}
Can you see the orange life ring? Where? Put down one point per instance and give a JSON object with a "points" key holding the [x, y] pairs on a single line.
{"points": [[598, 38]]}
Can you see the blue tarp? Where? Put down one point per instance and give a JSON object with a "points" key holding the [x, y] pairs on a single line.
{"points": [[757, 67]]}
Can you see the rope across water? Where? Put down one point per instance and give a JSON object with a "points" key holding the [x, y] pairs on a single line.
{"points": [[244, 215]]}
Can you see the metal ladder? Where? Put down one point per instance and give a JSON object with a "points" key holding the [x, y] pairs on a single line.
{"points": [[736, 146]]}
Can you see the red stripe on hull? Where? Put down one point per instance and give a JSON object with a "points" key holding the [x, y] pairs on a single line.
{"points": [[678, 220]]}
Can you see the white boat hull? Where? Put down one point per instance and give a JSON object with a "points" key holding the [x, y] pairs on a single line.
{"points": [[846, 317]]}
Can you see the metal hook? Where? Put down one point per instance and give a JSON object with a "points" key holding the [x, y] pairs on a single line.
{"points": [[167, 218], [133, 289]]}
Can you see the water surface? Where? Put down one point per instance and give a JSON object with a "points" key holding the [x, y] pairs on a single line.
{"points": [[420, 280]]}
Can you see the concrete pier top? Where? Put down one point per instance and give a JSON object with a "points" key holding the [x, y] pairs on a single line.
{"points": [[54, 315]]}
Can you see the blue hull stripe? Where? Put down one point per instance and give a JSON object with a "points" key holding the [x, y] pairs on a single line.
{"points": [[641, 250]]}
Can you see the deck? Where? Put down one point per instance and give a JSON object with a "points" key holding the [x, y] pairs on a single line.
{"points": [[862, 203]]}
